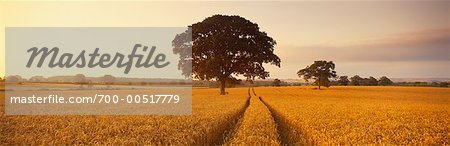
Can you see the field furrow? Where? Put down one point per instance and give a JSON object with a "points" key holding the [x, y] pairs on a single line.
{"points": [[287, 132], [257, 126]]}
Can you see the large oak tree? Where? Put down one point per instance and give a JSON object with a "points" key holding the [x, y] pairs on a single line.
{"points": [[224, 47]]}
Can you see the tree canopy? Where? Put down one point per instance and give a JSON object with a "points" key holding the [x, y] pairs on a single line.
{"points": [[385, 81], [276, 82], [223, 47], [108, 79], [356, 80], [343, 81], [320, 71]]}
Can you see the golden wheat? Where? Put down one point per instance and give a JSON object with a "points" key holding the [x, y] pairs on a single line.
{"points": [[362, 115], [334, 116], [257, 127], [212, 114]]}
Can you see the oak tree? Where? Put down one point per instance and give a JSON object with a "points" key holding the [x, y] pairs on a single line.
{"points": [[320, 71], [224, 47]]}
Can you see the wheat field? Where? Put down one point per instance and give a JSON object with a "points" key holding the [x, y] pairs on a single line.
{"points": [[257, 127], [210, 119], [362, 115], [275, 116]]}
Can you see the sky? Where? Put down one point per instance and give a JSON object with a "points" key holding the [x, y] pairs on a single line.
{"points": [[403, 39]]}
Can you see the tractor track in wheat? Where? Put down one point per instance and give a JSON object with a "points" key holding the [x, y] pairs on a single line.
{"points": [[288, 134], [255, 127]]}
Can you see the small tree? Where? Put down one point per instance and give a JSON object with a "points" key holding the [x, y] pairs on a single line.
{"points": [[108, 79], [14, 78], [443, 84], [37, 79], [276, 82], [371, 81], [343, 81], [385, 81], [80, 79], [320, 71], [356, 80], [434, 84], [233, 82]]}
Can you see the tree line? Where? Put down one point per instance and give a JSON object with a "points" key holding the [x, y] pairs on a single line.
{"points": [[359, 81], [322, 71], [323, 74]]}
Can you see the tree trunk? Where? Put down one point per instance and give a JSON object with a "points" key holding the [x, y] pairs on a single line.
{"points": [[222, 86], [319, 83]]}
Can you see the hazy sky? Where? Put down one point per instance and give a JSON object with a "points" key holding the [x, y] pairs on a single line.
{"points": [[396, 39]]}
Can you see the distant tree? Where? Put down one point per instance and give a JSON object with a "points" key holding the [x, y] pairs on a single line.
{"points": [[371, 81], [108, 79], [1, 79], [233, 82], [343, 81], [80, 79], [276, 82], [325, 82], [37, 79], [443, 84], [334, 82], [356, 80], [223, 46], [14, 78], [385, 81], [435, 84], [320, 71]]}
